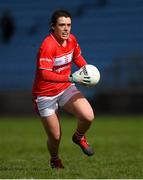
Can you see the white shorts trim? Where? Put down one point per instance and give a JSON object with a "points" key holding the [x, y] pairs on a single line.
{"points": [[47, 105]]}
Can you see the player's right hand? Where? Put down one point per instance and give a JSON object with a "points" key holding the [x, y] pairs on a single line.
{"points": [[78, 78]]}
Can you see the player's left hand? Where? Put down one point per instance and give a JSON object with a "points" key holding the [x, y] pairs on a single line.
{"points": [[80, 78]]}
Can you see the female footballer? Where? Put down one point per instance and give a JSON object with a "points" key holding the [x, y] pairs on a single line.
{"points": [[54, 86]]}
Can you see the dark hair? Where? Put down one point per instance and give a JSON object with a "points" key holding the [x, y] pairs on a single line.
{"points": [[56, 15]]}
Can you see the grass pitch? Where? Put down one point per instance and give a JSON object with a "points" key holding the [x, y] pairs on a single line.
{"points": [[117, 140]]}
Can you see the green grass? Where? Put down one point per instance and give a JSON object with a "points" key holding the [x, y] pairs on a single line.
{"points": [[117, 140]]}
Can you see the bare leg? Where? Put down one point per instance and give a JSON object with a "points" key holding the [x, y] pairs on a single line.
{"points": [[80, 107], [53, 131]]}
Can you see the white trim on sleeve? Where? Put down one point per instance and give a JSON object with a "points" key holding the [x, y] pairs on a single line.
{"points": [[45, 59], [48, 69]]}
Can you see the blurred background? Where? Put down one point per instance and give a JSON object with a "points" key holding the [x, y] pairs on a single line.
{"points": [[110, 33]]}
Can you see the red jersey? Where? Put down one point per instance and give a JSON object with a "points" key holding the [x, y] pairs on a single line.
{"points": [[54, 64]]}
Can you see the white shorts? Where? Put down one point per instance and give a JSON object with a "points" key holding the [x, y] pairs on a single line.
{"points": [[47, 105]]}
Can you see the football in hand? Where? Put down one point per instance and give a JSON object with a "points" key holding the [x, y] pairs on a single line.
{"points": [[92, 72]]}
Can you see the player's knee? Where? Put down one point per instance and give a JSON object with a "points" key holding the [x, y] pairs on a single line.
{"points": [[90, 117], [55, 137]]}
